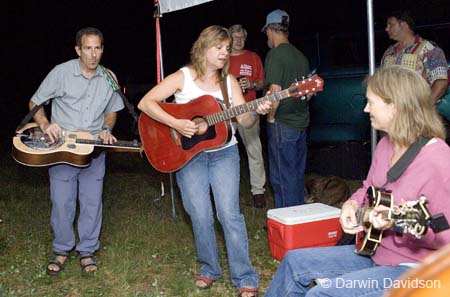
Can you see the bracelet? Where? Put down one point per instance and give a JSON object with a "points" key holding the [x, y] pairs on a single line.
{"points": [[107, 128], [255, 114]]}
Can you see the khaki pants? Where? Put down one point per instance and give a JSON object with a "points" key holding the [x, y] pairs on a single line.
{"points": [[252, 143]]}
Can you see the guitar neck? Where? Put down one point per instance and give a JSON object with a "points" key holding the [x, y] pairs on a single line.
{"points": [[119, 145], [232, 112], [362, 215]]}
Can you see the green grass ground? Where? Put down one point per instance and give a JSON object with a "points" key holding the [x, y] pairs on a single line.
{"points": [[144, 250]]}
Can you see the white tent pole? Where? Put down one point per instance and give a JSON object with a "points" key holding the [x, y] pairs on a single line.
{"points": [[371, 40]]}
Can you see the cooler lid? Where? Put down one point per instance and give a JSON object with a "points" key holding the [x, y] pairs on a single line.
{"points": [[303, 213]]}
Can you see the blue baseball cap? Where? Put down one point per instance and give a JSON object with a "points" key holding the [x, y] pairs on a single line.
{"points": [[277, 16]]}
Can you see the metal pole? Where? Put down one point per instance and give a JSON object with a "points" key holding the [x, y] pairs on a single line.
{"points": [[158, 15], [371, 40]]}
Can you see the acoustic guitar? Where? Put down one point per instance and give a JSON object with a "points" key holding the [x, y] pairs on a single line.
{"points": [[168, 151], [410, 217], [31, 148]]}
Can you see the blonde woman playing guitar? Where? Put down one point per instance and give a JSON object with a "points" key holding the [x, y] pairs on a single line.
{"points": [[399, 103], [216, 167]]}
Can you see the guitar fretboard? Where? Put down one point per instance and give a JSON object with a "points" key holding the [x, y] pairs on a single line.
{"points": [[232, 112], [362, 215], [120, 143]]}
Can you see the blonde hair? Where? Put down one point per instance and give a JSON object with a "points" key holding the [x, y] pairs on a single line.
{"points": [[238, 28], [208, 38], [416, 114]]}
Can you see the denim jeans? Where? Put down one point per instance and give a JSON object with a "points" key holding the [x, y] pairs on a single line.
{"points": [[66, 184], [218, 170], [343, 273], [287, 161]]}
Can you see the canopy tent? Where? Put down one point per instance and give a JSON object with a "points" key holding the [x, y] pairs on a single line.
{"points": [[166, 6], [172, 5]]}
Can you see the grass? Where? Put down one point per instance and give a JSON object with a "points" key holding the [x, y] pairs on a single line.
{"points": [[145, 251]]}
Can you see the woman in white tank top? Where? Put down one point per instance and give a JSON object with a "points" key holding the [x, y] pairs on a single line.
{"points": [[216, 168]]}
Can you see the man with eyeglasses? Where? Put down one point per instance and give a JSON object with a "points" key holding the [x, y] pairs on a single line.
{"points": [[248, 69]]}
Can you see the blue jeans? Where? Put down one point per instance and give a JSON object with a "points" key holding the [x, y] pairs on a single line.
{"points": [[343, 273], [287, 161], [219, 171], [66, 184]]}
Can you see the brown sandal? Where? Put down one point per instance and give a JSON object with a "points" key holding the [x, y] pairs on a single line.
{"points": [[253, 292], [208, 281]]}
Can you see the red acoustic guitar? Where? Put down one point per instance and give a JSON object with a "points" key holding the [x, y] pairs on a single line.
{"points": [[168, 151]]}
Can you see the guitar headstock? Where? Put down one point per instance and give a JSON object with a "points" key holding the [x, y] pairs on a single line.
{"points": [[307, 86], [412, 217]]}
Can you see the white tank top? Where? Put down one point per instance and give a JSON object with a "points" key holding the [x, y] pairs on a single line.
{"points": [[191, 91]]}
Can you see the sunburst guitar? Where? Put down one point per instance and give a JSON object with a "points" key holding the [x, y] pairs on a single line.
{"points": [[31, 148], [411, 217]]}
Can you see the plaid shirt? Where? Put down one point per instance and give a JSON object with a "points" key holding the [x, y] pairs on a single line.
{"points": [[425, 57]]}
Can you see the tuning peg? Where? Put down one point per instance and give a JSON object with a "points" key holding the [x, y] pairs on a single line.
{"points": [[423, 198]]}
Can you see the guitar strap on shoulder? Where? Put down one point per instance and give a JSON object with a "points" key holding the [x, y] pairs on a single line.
{"points": [[112, 82], [438, 222], [397, 170], [115, 86], [224, 89]]}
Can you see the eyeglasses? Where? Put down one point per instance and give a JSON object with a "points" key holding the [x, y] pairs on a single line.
{"points": [[239, 38]]}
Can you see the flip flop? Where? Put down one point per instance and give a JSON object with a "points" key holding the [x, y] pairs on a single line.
{"points": [[253, 291]]}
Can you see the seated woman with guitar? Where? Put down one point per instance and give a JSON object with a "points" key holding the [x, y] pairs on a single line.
{"points": [[399, 103], [215, 167]]}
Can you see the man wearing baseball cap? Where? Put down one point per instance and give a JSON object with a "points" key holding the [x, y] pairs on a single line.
{"points": [[288, 120]]}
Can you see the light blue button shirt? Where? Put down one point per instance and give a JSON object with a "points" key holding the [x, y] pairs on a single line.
{"points": [[79, 103]]}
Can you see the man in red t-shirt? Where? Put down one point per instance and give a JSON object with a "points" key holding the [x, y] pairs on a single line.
{"points": [[248, 69]]}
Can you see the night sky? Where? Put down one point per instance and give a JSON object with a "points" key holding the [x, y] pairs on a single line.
{"points": [[37, 35]]}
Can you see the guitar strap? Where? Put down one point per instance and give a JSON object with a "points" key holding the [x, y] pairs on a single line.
{"points": [[224, 89], [112, 82], [115, 86], [397, 170], [28, 117], [438, 222]]}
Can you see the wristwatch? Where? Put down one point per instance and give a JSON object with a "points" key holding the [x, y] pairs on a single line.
{"points": [[107, 128]]}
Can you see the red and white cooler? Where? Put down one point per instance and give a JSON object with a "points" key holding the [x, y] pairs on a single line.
{"points": [[308, 225]]}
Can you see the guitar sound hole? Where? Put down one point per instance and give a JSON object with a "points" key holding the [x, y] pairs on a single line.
{"points": [[188, 143], [34, 138]]}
